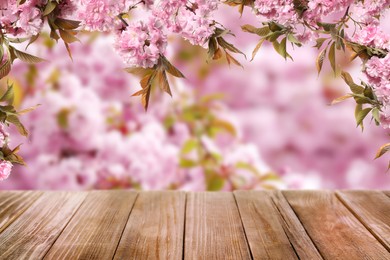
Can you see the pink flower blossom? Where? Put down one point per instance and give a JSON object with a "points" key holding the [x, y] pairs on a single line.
{"points": [[5, 169], [100, 15], [377, 71], [372, 36], [22, 20], [280, 11], [141, 44]]}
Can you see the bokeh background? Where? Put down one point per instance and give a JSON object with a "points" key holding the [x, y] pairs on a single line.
{"points": [[266, 126]]}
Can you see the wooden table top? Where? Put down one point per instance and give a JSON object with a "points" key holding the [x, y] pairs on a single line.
{"points": [[207, 225]]}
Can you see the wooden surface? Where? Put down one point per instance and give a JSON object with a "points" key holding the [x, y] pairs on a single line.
{"points": [[205, 225]]}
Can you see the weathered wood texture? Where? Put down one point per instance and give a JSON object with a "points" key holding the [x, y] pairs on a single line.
{"points": [[13, 204], [296, 233], [157, 234], [33, 233], [263, 228], [96, 228], [178, 225], [333, 228], [213, 228], [372, 208]]}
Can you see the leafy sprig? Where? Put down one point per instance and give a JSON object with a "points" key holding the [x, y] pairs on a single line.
{"points": [[272, 32], [217, 46], [10, 116], [156, 75]]}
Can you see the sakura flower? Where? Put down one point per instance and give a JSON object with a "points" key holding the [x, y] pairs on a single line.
{"points": [[5, 169], [141, 44]]}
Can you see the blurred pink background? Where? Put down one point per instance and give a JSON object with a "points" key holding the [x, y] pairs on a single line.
{"points": [[279, 130]]}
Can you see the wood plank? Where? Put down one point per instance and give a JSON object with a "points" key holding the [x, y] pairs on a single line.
{"points": [[372, 208], [95, 229], [155, 228], [263, 226], [32, 234], [213, 227], [335, 231], [13, 204], [296, 233]]}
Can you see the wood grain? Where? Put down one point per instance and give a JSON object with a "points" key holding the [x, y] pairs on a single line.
{"points": [[372, 208], [296, 233], [332, 227], [13, 204], [213, 227], [33, 233], [155, 228], [95, 229], [263, 226]]}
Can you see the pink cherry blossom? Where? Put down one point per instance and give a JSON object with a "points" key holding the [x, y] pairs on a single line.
{"points": [[5, 169], [142, 43]]}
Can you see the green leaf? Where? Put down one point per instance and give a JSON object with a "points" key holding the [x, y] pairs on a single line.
{"points": [[375, 115], [382, 150], [146, 84], [274, 36], [320, 42], [332, 57], [263, 31], [32, 40], [51, 5], [368, 93], [224, 44], [225, 126], [67, 36], [293, 39], [63, 118], [213, 45], [320, 60], [257, 48], [356, 89], [14, 119], [163, 82], [215, 183], [340, 99], [171, 69], [281, 47], [361, 115], [8, 95], [327, 26], [186, 163], [230, 59], [5, 69], [26, 57], [189, 146], [138, 71], [275, 26], [67, 24]]}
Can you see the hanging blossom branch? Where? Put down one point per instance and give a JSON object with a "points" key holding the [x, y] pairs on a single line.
{"points": [[335, 26]]}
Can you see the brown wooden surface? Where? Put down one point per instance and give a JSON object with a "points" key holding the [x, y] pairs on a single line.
{"points": [[96, 228], [33, 233], [213, 227], [333, 228], [303, 245], [158, 234], [13, 204], [178, 225], [263, 228], [372, 208]]}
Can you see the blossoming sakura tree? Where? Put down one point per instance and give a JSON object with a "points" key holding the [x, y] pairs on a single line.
{"points": [[142, 29]]}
